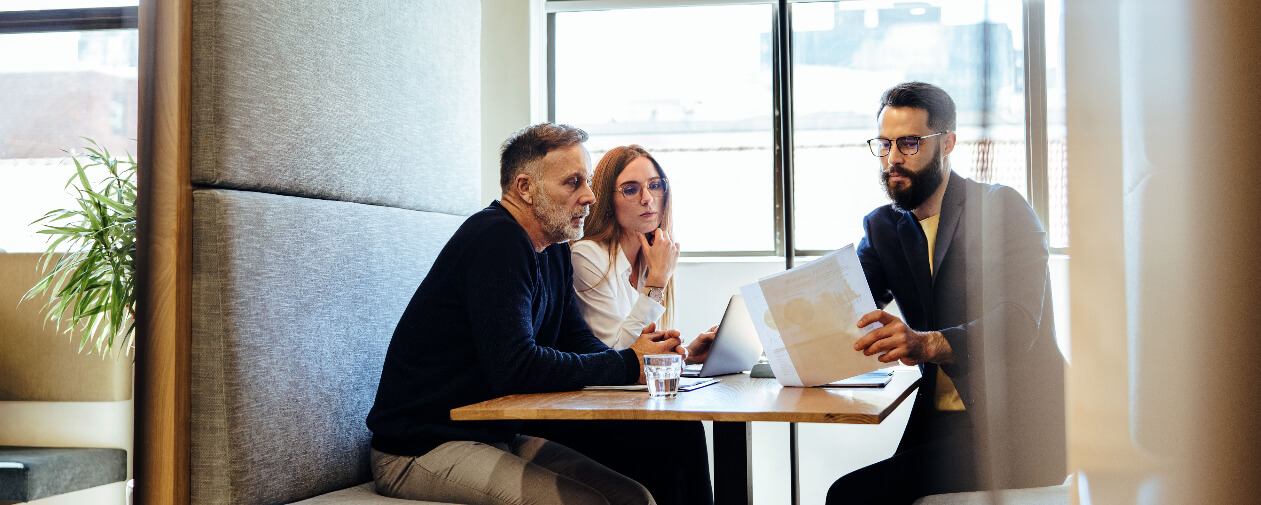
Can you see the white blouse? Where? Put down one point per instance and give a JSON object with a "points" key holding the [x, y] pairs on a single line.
{"points": [[614, 309]]}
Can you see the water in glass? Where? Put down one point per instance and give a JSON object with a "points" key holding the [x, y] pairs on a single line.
{"points": [[662, 372]]}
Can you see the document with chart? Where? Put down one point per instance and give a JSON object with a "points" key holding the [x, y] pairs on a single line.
{"points": [[806, 319]]}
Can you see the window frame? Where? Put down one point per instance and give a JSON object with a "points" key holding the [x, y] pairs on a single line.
{"points": [[1036, 136], [69, 20]]}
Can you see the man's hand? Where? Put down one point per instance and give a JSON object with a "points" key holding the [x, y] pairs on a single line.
{"points": [[698, 350], [651, 341], [899, 342]]}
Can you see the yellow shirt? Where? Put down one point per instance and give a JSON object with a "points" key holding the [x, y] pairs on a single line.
{"points": [[945, 396]]}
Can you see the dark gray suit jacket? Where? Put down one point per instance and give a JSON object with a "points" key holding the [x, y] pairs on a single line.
{"points": [[990, 296]]}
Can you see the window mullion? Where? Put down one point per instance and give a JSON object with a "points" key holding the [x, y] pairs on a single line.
{"points": [[68, 20], [781, 67], [551, 67], [1035, 109]]}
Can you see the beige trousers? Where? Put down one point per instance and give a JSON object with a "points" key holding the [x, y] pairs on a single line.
{"points": [[528, 470]]}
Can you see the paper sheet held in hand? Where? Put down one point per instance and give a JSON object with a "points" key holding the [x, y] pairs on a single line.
{"points": [[806, 318]]}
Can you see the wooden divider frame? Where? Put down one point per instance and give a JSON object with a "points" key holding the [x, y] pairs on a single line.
{"points": [[161, 462]]}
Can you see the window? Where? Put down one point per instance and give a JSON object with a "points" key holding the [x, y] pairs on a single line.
{"points": [[846, 53], [67, 74], [759, 113], [698, 100], [697, 86]]}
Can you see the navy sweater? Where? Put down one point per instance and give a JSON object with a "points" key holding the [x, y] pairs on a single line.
{"points": [[491, 318]]}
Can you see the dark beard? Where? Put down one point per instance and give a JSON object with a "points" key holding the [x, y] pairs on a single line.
{"points": [[923, 184]]}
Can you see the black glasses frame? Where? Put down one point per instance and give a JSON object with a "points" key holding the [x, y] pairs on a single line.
{"points": [[881, 147]]}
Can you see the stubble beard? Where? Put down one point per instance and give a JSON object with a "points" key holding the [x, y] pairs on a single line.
{"points": [[556, 221], [921, 185]]}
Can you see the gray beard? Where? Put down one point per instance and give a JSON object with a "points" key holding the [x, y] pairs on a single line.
{"points": [[555, 220]]}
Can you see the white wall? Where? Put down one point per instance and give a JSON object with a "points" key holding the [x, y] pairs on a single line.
{"points": [[505, 82]]}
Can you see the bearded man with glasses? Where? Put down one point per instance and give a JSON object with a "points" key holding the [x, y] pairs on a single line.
{"points": [[967, 264]]}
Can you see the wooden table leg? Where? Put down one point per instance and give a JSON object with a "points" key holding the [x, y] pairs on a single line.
{"points": [[733, 463]]}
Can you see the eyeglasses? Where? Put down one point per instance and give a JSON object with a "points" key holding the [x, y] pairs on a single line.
{"points": [[908, 146], [656, 188]]}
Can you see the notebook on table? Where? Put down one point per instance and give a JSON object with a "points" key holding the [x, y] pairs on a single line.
{"points": [[877, 379], [685, 384]]}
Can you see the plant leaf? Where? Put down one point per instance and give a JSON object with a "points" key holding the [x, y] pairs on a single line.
{"points": [[91, 288]]}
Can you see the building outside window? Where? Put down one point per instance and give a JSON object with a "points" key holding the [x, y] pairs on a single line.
{"points": [[695, 86], [59, 86]]}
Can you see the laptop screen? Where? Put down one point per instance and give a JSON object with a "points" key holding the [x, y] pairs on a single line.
{"points": [[736, 347]]}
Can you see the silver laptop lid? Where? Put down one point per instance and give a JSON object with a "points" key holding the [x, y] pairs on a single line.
{"points": [[736, 346]]}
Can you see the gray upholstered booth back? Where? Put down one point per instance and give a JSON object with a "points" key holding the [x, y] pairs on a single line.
{"points": [[373, 102], [335, 149]]}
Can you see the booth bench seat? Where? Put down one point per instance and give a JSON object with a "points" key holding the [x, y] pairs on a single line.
{"points": [[31, 473]]}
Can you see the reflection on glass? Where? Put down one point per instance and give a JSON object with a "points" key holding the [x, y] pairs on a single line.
{"points": [[845, 54], [58, 87], [698, 100]]}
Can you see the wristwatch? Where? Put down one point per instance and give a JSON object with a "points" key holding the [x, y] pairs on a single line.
{"points": [[657, 293]]}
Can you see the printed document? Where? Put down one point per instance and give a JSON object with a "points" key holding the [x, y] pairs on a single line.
{"points": [[806, 318]]}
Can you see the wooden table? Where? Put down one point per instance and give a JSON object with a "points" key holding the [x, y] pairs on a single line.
{"points": [[732, 404]]}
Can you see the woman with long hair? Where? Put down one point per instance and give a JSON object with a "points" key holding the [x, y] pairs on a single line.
{"points": [[624, 264], [623, 275]]}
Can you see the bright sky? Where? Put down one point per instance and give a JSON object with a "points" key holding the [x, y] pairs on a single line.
{"points": [[39, 52]]}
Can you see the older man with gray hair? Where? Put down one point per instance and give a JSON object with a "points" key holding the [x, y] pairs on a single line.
{"points": [[497, 315]]}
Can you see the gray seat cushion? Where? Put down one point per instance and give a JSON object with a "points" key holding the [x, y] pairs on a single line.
{"points": [[31, 473], [294, 303], [364, 494], [1050, 495]]}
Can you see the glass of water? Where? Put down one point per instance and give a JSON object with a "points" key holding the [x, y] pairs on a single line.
{"points": [[662, 372]]}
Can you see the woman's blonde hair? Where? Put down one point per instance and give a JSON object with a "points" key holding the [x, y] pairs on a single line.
{"points": [[602, 226]]}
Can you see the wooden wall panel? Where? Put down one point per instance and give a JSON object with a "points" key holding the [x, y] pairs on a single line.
{"points": [[164, 255]]}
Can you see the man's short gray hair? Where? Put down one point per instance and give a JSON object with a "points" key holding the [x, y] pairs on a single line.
{"points": [[530, 144]]}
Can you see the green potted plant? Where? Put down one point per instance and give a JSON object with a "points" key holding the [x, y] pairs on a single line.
{"points": [[91, 286]]}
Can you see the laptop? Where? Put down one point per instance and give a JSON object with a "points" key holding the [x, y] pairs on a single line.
{"points": [[736, 347]]}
